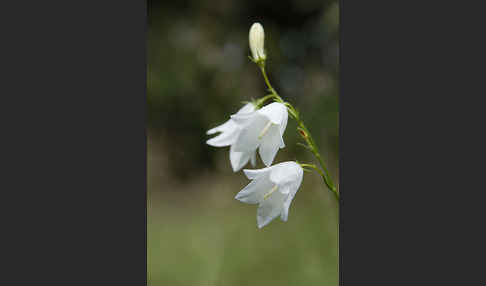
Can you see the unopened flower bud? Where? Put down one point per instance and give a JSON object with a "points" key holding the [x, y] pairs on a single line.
{"points": [[257, 39]]}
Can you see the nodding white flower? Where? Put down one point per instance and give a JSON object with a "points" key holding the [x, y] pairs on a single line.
{"points": [[273, 188], [229, 133], [257, 40], [262, 130]]}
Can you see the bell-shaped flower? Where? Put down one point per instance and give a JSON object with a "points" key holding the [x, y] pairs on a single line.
{"points": [[256, 38], [262, 130], [273, 188], [229, 132]]}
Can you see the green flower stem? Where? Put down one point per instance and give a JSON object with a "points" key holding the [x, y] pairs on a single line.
{"points": [[303, 131], [270, 87], [259, 103]]}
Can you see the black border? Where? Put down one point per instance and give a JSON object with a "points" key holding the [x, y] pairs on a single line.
{"points": [[74, 151], [408, 128]]}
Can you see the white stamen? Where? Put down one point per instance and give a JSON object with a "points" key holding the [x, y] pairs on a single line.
{"points": [[265, 129], [269, 193]]}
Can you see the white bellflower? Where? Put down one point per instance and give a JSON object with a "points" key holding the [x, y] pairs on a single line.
{"points": [[273, 189], [262, 130], [229, 132]]}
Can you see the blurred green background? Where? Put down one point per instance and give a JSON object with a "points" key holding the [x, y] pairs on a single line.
{"points": [[198, 74]]}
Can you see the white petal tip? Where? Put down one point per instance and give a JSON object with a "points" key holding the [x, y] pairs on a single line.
{"points": [[240, 198], [210, 143], [217, 143], [261, 225], [268, 164], [236, 168]]}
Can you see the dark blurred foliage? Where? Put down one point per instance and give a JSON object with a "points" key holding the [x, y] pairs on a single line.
{"points": [[199, 72]]}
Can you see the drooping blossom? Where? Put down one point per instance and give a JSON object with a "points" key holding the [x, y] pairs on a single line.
{"points": [[273, 189], [262, 129], [229, 132]]}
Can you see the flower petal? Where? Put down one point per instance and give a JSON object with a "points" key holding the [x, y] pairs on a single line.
{"points": [[238, 159], [270, 208], [248, 140], [254, 191], [291, 187], [270, 144], [224, 139], [231, 124], [243, 119], [283, 125], [286, 173], [248, 108], [253, 159], [275, 112], [286, 205], [253, 174], [227, 126]]}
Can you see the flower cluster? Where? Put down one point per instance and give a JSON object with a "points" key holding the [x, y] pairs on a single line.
{"points": [[274, 187], [253, 128]]}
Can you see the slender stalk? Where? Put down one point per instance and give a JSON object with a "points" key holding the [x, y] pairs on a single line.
{"points": [[303, 131], [259, 103], [270, 87]]}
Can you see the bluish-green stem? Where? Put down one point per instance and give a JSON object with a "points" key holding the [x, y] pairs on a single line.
{"points": [[303, 131]]}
